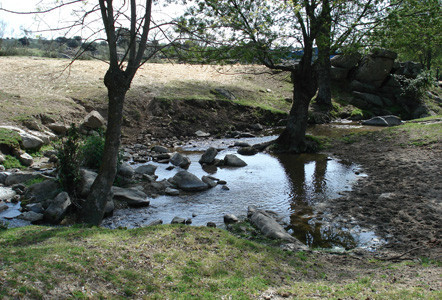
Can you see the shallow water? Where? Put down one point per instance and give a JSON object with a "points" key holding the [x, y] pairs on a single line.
{"points": [[294, 186]]}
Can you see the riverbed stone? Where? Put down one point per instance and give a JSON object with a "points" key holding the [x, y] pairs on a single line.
{"points": [[178, 220], [209, 156], [241, 144], [20, 177], [247, 151], [31, 216], [42, 191], [188, 182], [209, 181], [58, 128], [159, 149], [180, 160], [35, 207], [146, 170], [2, 158], [200, 133], [155, 223], [132, 197], [383, 121], [229, 219], [270, 228], [232, 160], [171, 192], [211, 224], [125, 170], [57, 208], [26, 159], [87, 178], [94, 120]]}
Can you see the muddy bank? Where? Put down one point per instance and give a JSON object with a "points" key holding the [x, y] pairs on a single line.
{"points": [[400, 199]]}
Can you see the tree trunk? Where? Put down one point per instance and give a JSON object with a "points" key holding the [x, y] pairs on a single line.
{"points": [[304, 87], [324, 77], [324, 43], [92, 210]]}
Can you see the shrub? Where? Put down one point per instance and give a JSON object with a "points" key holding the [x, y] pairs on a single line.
{"points": [[69, 160], [92, 151], [416, 87]]}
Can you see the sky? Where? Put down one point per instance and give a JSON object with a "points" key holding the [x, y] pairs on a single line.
{"points": [[40, 23]]}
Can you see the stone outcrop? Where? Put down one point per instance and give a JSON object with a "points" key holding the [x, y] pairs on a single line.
{"points": [[188, 182], [377, 82], [94, 120]]}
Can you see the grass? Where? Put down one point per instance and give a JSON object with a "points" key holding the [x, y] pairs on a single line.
{"points": [[12, 162], [170, 262], [10, 138]]}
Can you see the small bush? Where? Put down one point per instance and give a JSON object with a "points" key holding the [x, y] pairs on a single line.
{"points": [[415, 88], [69, 160], [92, 151]]}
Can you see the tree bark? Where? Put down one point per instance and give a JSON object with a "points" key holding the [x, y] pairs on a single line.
{"points": [[92, 210], [304, 88]]}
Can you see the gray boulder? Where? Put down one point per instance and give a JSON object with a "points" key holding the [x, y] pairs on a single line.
{"points": [[58, 208], [20, 177], [346, 61], [188, 182], [370, 98], [270, 228], [232, 160], [31, 216], [87, 178], [42, 191], [31, 142], [178, 220], [146, 170], [383, 121], [229, 219], [125, 170], [132, 197], [374, 69], [109, 208], [2, 158], [180, 160], [26, 160], [94, 120], [58, 128], [338, 73], [247, 151], [200, 133], [160, 149], [209, 156], [362, 87], [209, 181], [171, 192], [35, 207], [3, 176]]}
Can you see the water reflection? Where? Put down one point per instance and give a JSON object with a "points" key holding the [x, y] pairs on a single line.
{"points": [[312, 180]]}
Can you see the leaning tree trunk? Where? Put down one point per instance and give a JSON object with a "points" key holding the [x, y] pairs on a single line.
{"points": [[304, 88], [92, 210]]}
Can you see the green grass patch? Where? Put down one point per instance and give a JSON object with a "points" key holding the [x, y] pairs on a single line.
{"points": [[169, 262], [12, 162], [10, 138]]}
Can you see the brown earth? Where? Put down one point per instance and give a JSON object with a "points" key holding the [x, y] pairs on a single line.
{"points": [[401, 196]]}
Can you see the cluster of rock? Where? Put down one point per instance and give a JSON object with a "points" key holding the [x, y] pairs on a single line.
{"points": [[377, 83], [39, 134]]}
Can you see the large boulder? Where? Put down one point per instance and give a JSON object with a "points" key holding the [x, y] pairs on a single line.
{"points": [[338, 74], [26, 159], [87, 178], [371, 99], [125, 170], [58, 208], [346, 61], [132, 197], [58, 128], [270, 228], [20, 177], [31, 216], [31, 142], [146, 170], [209, 156], [383, 121], [42, 191], [375, 68], [180, 160], [232, 160], [188, 182], [94, 120]]}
